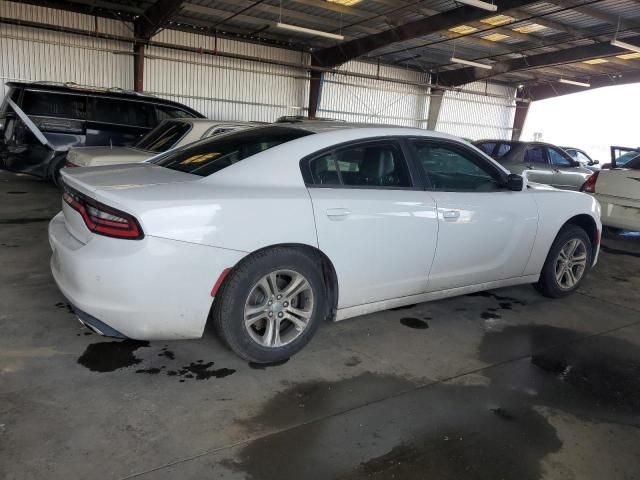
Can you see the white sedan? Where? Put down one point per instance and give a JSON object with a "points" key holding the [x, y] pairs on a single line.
{"points": [[271, 230], [618, 191]]}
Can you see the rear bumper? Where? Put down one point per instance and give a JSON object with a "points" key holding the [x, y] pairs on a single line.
{"points": [[616, 215], [96, 325], [152, 289]]}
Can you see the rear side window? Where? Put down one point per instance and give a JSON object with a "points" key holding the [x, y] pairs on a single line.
{"points": [[57, 105], [213, 154], [122, 112], [535, 155], [366, 165], [163, 137]]}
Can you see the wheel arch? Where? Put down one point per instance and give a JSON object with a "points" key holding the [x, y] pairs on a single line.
{"points": [[328, 271], [588, 224]]}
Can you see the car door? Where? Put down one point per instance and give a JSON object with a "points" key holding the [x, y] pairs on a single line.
{"points": [[373, 220], [537, 166], [486, 232], [567, 174]]}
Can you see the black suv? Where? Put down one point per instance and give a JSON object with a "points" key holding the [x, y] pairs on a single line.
{"points": [[39, 122]]}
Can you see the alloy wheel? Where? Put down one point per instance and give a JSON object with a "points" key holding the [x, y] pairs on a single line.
{"points": [[278, 308], [571, 263]]}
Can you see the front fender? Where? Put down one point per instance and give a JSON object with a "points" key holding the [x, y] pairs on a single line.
{"points": [[556, 208]]}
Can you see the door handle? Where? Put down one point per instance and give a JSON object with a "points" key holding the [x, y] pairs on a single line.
{"points": [[451, 214], [337, 213]]}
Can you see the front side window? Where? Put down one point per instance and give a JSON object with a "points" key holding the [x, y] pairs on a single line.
{"points": [[535, 155], [503, 149], [582, 158], [453, 169], [211, 155], [487, 147], [558, 159], [379, 164], [164, 136], [56, 105]]}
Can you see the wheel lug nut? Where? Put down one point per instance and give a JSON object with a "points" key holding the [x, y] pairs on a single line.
{"points": [[270, 302], [271, 314], [280, 314], [286, 304], [279, 297]]}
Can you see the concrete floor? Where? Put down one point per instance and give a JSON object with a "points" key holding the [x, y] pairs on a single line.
{"points": [[500, 385]]}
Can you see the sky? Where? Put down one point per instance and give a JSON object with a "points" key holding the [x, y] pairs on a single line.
{"points": [[592, 120]]}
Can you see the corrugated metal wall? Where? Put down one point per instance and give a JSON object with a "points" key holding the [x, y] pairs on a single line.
{"points": [[375, 101], [478, 116], [34, 54], [225, 88], [231, 89]]}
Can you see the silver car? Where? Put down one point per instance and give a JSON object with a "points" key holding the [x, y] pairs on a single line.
{"points": [[169, 134], [539, 162]]}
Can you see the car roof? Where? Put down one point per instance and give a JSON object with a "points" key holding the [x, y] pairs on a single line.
{"points": [[207, 121], [71, 87], [517, 142], [320, 126]]}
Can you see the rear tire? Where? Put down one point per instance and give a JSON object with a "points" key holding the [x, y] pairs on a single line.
{"points": [[54, 175], [568, 262], [270, 305]]}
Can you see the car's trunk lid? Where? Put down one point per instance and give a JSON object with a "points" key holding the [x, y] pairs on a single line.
{"points": [[110, 185], [98, 156], [621, 183]]}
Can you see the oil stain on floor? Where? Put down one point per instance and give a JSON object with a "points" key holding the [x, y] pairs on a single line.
{"points": [[449, 430], [413, 322], [111, 356]]}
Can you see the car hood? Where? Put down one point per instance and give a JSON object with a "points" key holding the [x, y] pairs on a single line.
{"points": [[95, 156]]}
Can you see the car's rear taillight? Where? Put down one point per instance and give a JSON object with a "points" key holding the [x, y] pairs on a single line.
{"points": [[102, 219], [590, 185]]}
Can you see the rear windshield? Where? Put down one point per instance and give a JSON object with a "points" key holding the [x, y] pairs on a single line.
{"points": [[213, 154], [164, 136]]}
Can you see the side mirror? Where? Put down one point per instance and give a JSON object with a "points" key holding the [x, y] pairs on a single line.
{"points": [[596, 162], [515, 182]]}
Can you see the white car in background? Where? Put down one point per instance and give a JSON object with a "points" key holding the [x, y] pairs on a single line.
{"points": [[271, 230], [167, 135], [618, 191]]}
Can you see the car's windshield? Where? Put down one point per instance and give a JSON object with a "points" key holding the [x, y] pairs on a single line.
{"points": [[164, 136], [213, 154]]}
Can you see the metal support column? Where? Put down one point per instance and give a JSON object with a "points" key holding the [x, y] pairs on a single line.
{"points": [[138, 67], [435, 102], [315, 92], [522, 108]]}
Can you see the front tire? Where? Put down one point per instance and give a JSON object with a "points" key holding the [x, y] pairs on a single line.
{"points": [[567, 263], [270, 305]]}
